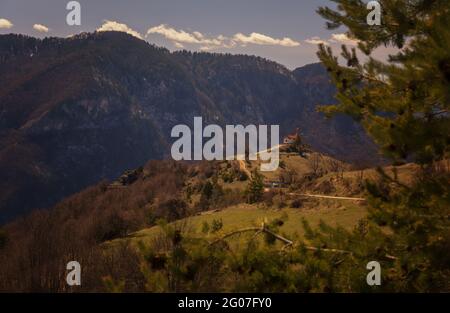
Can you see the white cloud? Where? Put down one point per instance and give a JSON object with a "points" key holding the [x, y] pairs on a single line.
{"points": [[205, 48], [41, 28], [193, 38], [316, 41], [178, 45], [175, 35], [343, 38], [118, 27], [4, 23], [261, 39], [335, 39], [209, 43], [198, 35]]}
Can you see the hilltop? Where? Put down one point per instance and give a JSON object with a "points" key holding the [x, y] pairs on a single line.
{"points": [[315, 187]]}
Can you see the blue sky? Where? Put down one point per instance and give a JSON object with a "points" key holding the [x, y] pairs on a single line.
{"points": [[285, 31]]}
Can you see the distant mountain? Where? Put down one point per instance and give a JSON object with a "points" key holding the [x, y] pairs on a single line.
{"points": [[78, 110]]}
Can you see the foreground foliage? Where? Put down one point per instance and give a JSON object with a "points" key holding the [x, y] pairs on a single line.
{"points": [[403, 105]]}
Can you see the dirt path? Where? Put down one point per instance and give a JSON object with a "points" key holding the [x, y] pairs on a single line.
{"points": [[326, 197], [243, 168], [243, 165]]}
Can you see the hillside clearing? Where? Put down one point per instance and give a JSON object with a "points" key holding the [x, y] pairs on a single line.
{"points": [[244, 215]]}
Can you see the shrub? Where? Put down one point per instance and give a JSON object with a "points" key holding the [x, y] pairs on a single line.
{"points": [[216, 225], [112, 227], [205, 227], [172, 209], [255, 188], [296, 204]]}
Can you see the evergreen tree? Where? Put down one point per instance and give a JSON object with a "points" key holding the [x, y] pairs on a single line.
{"points": [[403, 105], [255, 188]]}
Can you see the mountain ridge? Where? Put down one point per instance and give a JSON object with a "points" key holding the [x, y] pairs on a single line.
{"points": [[78, 110]]}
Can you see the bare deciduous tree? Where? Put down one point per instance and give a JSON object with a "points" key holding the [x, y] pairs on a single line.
{"points": [[315, 161]]}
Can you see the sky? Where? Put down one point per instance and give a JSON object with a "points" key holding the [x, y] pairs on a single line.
{"points": [[286, 31]]}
